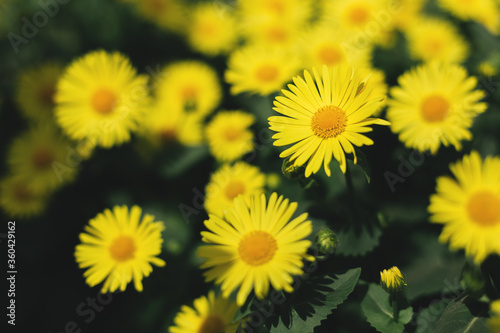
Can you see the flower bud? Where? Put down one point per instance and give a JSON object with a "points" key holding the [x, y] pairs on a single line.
{"points": [[326, 241], [392, 280], [292, 171]]}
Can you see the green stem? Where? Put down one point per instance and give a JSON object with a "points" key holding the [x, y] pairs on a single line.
{"points": [[395, 310]]}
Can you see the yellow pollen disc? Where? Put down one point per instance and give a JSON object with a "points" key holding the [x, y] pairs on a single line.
{"points": [[104, 101], [484, 209], [42, 158], [329, 55], [212, 324], [276, 6], [232, 134], [189, 92], [434, 108], [266, 73], [434, 46], [277, 35], [257, 247], [233, 189], [358, 15], [328, 122], [207, 29], [122, 248]]}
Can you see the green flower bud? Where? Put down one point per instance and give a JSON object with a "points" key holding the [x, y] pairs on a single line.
{"points": [[392, 280], [326, 241], [292, 171]]}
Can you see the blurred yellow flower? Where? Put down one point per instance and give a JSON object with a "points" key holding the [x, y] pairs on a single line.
{"points": [[167, 14], [485, 12], [35, 92], [434, 104], [469, 206], [434, 39], [118, 246], [17, 200], [229, 136], [255, 245], [100, 98], [228, 182], [259, 69], [208, 314], [324, 117]]}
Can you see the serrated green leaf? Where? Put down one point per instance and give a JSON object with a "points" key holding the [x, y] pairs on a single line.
{"points": [[463, 316], [427, 318], [358, 240], [316, 298], [378, 311]]}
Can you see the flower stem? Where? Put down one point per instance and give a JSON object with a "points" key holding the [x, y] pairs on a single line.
{"points": [[395, 310]]}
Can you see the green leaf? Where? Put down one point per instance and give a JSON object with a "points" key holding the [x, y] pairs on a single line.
{"points": [[174, 166], [463, 316], [378, 311], [359, 239], [427, 318], [313, 301]]}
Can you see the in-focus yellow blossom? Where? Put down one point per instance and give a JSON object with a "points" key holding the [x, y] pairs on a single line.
{"points": [[256, 246], [434, 104], [469, 206], [324, 117], [118, 247]]}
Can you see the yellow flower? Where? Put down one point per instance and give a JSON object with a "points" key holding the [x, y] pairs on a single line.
{"points": [[434, 39], [167, 14], [392, 280], [17, 200], [212, 29], [406, 13], [255, 246], [117, 248], [43, 158], [254, 12], [35, 92], [469, 206], [486, 12], [434, 104], [230, 181], [190, 86], [209, 315], [228, 135], [260, 69], [100, 98], [324, 117]]}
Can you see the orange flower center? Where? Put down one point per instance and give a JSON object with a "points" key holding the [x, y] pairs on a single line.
{"points": [[434, 45], [232, 134], [328, 122], [276, 34], [104, 101], [207, 29], [122, 248], [257, 247], [330, 55], [266, 73], [358, 15], [233, 189], [212, 324], [42, 158], [484, 209], [276, 6], [434, 108]]}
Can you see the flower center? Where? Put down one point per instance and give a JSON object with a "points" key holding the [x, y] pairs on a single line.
{"points": [[233, 189], [22, 193], [358, 15], [257, 247], [434, 46], [122, 248], [484, 209], [212, 324], [207, 29], [104, 101], [328, 122], [276, 6], [266, 73], [329, 55], [42, 158], [276, 34], [434, 108], [168, 135], [232, 134], [46, 95]]}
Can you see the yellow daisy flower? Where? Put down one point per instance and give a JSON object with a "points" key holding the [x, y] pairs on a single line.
{"points": [[230, 181], [177, 87], [324, 117], [434, 104], [434, 39], [486, 12], [273, 33], [255, 246], [17, 200], [259, 69], [212, 30], [100, 98], [35, 92], [407, 13], [40, 156], [118, 246], [167, 14], [209, 314], [469, 206], [255, 11], [228, 135]]}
